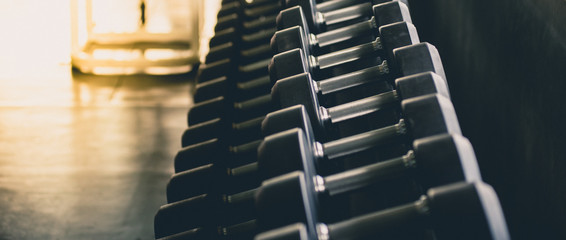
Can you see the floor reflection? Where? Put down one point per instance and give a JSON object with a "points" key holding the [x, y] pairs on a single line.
{"points": [[81, 156], [89, 157]]}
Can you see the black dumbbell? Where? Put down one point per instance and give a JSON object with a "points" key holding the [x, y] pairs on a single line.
{"points": [[294, 61], [178, 217], [299, 36], [220, 151], [231, 67], [246, 11], [320, 14], [260, 36], [301, 90], [233, 50], [232, 88], [288, 39], [290, 150], [199, 153], [211, 71], [437, 160], [455, 211], [424, 57], [293, 37], [422, 127]]}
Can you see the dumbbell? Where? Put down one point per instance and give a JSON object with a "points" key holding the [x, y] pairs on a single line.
{"points": [[320, 14], [300, 89], [221, 151], [455, 211], [245, 230], [291, 150], [259, 36], [293, 37], [229, 49], [232, 68], [249, 10], [228, 35], [437, 160], [322, 118], [198, 154], [412, 59], [296, 33], [288, 39], [434, 161]]}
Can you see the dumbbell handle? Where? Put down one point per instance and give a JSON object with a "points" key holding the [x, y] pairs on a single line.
{"points": [[240, 228], [345, 55], [348, 80], [342, 34], [359, 142], [358, 108], [329, 5], [245, 197], [344, 14], [367, 225], [364, 176]]}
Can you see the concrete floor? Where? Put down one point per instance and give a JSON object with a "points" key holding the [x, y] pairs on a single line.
{"points": [[84, 157]]}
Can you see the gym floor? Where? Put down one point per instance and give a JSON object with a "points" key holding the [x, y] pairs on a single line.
{"points": [[81, 157]]}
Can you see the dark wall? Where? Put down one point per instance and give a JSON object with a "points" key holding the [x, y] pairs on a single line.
{"points": [[506, 66]]}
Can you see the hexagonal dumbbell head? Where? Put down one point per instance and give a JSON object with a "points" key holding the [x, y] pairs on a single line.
{"points": [[296, 190], [457, 211], [295, 34], [425, 116], [430, 115], [412, 59], [467, 211], [394, 35], [444, 159], [301, 89]]}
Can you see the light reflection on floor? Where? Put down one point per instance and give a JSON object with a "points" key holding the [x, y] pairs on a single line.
{"points": [[89, 160], [81, 157]]}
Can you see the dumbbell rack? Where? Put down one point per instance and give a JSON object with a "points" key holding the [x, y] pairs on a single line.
{"points": [[248, 132]]}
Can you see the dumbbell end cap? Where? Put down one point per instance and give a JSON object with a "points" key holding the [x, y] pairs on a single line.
{"points": [[291, 197], [287, 64], [421, 84], [194, 182], [418, 58], [430, 115], [199, 154], [285, 152], [444, 159], [467, 211]]}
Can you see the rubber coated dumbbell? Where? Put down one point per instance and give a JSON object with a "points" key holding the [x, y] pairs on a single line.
{"points": [[276, 200], [211, 70], [300, 89], [326, 13], [436, 161], [424, 57], [292, 37], [455, 211], [220, 151], [232, 25], [290, 150], [249, 10], [289, 39], [198, 154]]}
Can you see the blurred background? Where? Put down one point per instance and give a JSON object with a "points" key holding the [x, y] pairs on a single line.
{"points": [[85, 156], [88, 156]]}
